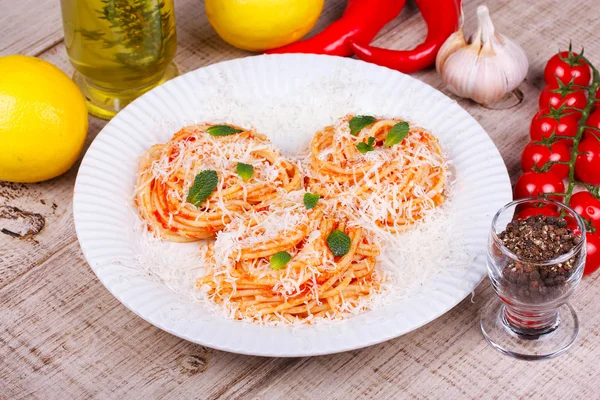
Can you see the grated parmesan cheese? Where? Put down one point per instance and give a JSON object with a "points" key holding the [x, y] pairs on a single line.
{"points": [[407, 260]]}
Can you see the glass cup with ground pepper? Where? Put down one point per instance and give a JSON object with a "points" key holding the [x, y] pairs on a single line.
{"points": [[535, 262]]}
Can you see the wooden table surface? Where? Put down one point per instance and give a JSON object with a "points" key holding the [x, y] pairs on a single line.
{"points": [[63, 335]]}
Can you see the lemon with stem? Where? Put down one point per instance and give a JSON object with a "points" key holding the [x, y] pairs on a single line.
{"points": [[259, 25], [43, 120]]}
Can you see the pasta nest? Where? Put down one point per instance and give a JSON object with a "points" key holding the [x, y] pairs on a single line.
{"points": [[167, 172], [393, 186], [313, 284]]}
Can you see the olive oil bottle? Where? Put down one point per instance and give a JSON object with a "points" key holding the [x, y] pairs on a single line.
{"points": [[120, 49]]}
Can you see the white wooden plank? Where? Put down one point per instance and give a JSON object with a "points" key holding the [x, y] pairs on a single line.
{"points": [[29, 26]]}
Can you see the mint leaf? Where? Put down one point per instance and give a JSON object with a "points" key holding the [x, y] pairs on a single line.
{"points": [[222, 130], [279, 260], [365, 147], [397, 133], [359, 122], [204, 184], [245, 171], [339, 243], [310, 200]]}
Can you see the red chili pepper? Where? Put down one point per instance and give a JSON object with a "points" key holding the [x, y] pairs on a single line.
{"points": [[442, 19], [361, 21]]}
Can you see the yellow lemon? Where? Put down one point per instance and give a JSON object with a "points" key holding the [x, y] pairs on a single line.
{"points": [[259, 25], [43, 120]]}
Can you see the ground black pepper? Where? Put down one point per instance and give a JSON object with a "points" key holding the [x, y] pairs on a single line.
{"points": [[537, 239]]}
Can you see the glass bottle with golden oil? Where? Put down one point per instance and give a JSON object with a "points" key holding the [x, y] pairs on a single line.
{"points": [[120, 49]]}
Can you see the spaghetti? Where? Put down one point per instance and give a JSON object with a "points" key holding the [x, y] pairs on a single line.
{"points": [[167, 172], [313, 284], [274, 259], [393, 186]]}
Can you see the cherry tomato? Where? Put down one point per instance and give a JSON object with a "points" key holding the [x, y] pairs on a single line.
{"points": [[587, 206], [547, 121], [587, 165], [567, 66], [593, 121], [555, 96], [533, 211], [592, 261], [538, 155], [533, 184]]}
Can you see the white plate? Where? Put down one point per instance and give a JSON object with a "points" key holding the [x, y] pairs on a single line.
{"points": [[288, 97]]}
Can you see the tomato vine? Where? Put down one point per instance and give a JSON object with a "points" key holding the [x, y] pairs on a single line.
{"points": [[592, 90]]}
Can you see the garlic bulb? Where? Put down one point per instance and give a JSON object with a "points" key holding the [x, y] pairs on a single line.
{"points": [[485, 69]]}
